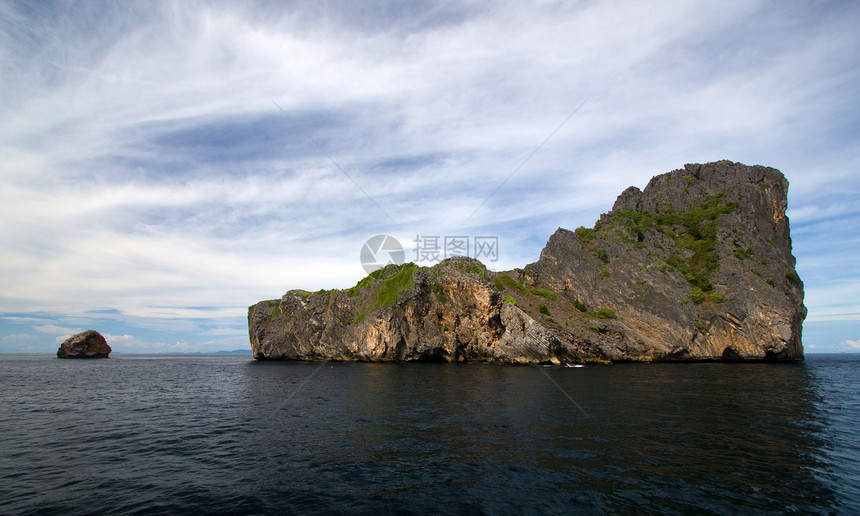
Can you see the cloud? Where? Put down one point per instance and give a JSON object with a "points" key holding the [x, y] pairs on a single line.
{"points": [[23, 320], [61, 332], [24, 343], [853, 345], [130, 344], [197, 155], [225, 332], [53, 330]]}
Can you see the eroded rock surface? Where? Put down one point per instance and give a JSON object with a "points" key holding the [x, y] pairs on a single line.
{"points": [[697, 266], [88, 344]]}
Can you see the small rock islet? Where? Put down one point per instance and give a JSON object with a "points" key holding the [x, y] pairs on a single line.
{"points": [[88, 344]]}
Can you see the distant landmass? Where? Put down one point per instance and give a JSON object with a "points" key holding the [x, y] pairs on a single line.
{"points": [[697, 266]]}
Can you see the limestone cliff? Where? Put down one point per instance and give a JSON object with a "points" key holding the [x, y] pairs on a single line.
{"points": [[697, 266]]}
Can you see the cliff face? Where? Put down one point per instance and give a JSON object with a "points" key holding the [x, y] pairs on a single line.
{"points": [[697, 266]]}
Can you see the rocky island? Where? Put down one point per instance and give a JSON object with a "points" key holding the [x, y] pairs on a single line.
{"points": [[697, 266], [88, 344]]}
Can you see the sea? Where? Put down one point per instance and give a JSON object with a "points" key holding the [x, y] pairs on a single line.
{"points": [[225, 434]]}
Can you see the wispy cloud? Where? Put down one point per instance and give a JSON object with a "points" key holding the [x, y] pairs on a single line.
{"points": [[852, 344], [22, 343], [130, 344], [147, 171], [61, 332]]}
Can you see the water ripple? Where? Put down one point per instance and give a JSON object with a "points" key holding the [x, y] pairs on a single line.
{"points": [[223, 434]]}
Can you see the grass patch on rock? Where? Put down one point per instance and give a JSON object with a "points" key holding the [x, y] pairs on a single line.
{"points": [[386, 285], [275, 305], [544, 293], [393, 284], [504, 281], [606, 313]]}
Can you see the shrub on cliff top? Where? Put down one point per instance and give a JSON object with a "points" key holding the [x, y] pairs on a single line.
{"points": [[585, 234]]}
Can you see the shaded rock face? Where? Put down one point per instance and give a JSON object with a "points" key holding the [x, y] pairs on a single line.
{"points": [[88, 344], [697, 266]]}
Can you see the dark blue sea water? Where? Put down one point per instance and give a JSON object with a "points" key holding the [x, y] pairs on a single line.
{"points": [[225, 434]]}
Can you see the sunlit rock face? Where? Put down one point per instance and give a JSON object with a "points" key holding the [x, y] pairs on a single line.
{"points": [[697, 266]]}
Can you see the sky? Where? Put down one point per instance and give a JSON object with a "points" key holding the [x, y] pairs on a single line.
{"points": [[165, 165]]}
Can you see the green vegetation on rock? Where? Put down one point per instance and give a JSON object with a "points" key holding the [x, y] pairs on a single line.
{"points": [[603, 255], [585, 234], [716, 298], [634, 223], [504, 281], [275, 305], [694, 230], [393, 284], [701, 230], [544, 293], [436, 289], [606, 313], [742, 253], [700, 237], [387, 285], [697, 295]]}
